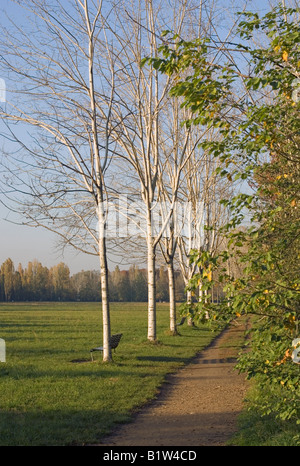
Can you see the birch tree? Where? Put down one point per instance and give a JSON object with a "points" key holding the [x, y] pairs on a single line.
{"points": [[139, 112], [181, 156], [201, 192], [58, 115], [177, 151]]}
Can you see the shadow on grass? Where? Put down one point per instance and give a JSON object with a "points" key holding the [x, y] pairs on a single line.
{"points": [[57, 427], [163, 359], [88, 370]]}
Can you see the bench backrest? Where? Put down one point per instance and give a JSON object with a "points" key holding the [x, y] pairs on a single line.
{"points": [[115, 339]]}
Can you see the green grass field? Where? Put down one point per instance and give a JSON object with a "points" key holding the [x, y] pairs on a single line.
{"points": [[50, 391]]}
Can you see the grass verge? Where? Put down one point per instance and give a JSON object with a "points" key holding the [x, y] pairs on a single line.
{"points": [[257, 430], [266, 431]]}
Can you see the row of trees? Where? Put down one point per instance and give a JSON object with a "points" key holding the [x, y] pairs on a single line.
{"points": [[87, 125], [39, 283]]}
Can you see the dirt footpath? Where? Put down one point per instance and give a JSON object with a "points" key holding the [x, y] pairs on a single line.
{"points": [[197, 406]]}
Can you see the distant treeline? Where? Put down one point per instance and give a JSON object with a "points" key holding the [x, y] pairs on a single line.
{"points": [[39, 283]]}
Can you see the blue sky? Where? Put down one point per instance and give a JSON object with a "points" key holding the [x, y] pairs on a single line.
{"points": [[23, 244]]}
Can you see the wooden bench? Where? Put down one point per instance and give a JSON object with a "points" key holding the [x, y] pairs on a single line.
{"points": [[114, 341]]}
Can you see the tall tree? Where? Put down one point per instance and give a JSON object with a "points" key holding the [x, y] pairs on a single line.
{"points": [[140, 112], [87, 285], [56, 94], [60, 275], [138, 284], [7, 279]]}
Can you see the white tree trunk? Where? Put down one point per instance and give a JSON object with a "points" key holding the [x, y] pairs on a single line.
{"points": [[172, 299], [107, 356], [151, 282], [189, 301]]}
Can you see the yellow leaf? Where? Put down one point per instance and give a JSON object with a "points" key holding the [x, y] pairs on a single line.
{"points": [[285, 56], [293, 203]]}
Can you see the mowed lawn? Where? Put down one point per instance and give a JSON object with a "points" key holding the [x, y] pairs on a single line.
{"points": [[50, 391]]}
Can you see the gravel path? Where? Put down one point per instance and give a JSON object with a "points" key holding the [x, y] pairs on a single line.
{"points": [[197, 406]]}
